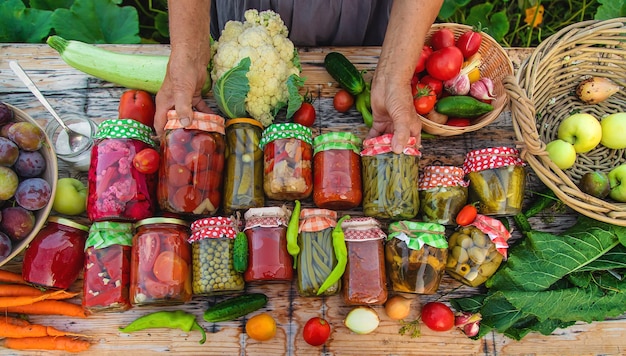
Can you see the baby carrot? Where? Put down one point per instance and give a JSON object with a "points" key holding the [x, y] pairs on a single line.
{"points": [[6, 302], [48, 307], [63, 343], [17, 328], [11, 277], [22, 290]]}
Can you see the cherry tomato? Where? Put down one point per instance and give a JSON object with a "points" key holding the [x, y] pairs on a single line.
{"points": [[466, 215], [458, 121], [469, 43], [204, 144], [424, 98], [442, 38], [137, 105], [316, 331], [435, 84], [421, 62], [150, 247], [343, 100], [445, 63], [305, 115], [170, 268], [147, 161], [437, 316]]}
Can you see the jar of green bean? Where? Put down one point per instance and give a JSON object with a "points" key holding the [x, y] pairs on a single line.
{"points": [[443, 193]]}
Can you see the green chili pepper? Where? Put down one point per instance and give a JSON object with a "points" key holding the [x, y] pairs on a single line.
{"points": [[341, 254], [166, 319], [292, 233]]}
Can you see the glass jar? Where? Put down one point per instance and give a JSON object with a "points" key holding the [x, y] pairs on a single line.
{"points": [[496, 180], [337, 171], [55, 256], [243, 176], [212, 245], [117, 190], [81, 158], [389, 179], [364, 280], [317, 258], [106, 277], [415, 256], [477, 250], [268, 258], [443, 193], [192, 165], [287, 151], [160, 262]]}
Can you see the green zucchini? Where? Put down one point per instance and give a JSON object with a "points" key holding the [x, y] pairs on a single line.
{"points": [[240, 252], [462, 106], [235, 307], [133, 71], [344, 72]]}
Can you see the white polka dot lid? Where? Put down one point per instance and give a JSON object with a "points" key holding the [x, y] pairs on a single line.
{"points": [[212, 228], [491, 158]]}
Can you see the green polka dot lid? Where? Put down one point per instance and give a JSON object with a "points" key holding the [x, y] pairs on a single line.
{"points": [[125, 128], [286, 130]]}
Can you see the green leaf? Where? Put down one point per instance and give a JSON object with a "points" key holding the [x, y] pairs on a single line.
{"points": [[23, 25], [231, 89], [294, 82], [449, 7], [496, 24], [610, 9], [161, 22], [51, 4], [98, 21]]}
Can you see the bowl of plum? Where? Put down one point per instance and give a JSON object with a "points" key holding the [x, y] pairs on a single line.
{"points": [[28, 180]]}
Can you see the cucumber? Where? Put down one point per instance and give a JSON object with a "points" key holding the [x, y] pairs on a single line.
{"points": [[235, 307], [462, 106], [344, 72], [133, 71], [240, 252]]}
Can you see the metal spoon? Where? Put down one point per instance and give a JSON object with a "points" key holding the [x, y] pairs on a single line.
{"points": [[76, 139]]}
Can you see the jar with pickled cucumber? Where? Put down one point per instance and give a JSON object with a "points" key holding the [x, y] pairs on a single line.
{"points": [[212, 246], [496, 180], [443, 193], [337, 171], [477, 250], [287, 156], [317, 258], [192, 165], [243, 170], [415, 256], [389, 179]]}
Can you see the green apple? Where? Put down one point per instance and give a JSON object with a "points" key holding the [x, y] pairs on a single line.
{"points": [[70, 197], [562, 153], [617, 178], [614, 131], [581, 130]]}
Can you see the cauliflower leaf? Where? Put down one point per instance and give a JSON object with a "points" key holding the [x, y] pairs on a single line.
{"points": [[231, 89]]}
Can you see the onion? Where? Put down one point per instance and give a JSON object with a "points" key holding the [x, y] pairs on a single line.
{"points": [[398, 307], [362, 320]]}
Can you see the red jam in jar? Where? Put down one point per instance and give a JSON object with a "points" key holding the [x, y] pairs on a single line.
{"points": [[55, 257]]}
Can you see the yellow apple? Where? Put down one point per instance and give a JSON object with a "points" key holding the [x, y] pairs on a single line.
{"points": [[562, 153], [617, 179], [70, 197], [581, 130], [614, 131]]}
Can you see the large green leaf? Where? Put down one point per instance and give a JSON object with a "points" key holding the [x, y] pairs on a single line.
{"points": [[231, 89], [294, 82], [610, 9], [23, 25], [496, 24], [51, 4]]}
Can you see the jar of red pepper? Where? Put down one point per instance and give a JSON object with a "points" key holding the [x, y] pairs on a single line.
{"points": [[117, 190], [288, 152], [443, 193], [160, 262], [268, 258], [337, 171], [55, 256], [106, 278], [192, 165]]}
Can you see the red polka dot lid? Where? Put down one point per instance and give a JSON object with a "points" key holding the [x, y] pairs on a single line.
{"points": [[212, 228], [441, 176], [490, 158]]}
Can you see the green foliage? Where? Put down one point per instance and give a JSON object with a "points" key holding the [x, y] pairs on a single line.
{"points": [[231, 89], [610, 9], [21, 24]]}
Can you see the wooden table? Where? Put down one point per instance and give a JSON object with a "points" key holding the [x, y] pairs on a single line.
{"points": [[71, 91]]}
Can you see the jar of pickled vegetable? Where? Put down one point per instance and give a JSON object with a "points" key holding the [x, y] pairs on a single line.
{"points": [[192, 165], [268, 258], [389, 179], [55, 256], [496, 180], [287, 151], [212, 245], [415, 256], [364, 281], [160, 262], [337, 171], [243, 176], [117, 190], [477, 250], [106, 278], [443, 193]]}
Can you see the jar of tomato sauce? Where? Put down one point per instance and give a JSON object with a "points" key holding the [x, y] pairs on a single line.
{"points": [[106, 278], [192, 165], [287, 151], [268, 258], [160, 262], [337, 171], [443, 193], [117, 190], [55, 256]]}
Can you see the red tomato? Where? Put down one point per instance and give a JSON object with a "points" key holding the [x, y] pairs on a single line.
{"points": [[469, 43], [155, 289], [305, 115], [437, 316], [435, 84], [203, 144], [467, 215], [343, 100], [445, 63], [316, 331], [137, 105], [170, 268], [147, 161], [421, 62], [150, 247], [442, 38], [424, 98], [458, 121]]}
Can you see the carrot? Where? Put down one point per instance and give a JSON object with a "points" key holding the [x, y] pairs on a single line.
{"points": [[63, 343], [21, 290], [17, 328], [11, 277], [25, 300], [48, 307]]}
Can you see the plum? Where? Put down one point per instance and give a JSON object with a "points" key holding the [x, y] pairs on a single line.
{"points": [[28, 136], [5, 246], [6, 114], [8, 152], [17, 222], [33, 193], [29, 164], [8, 183]]}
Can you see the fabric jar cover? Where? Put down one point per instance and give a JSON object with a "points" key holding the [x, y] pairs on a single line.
{"points": [[266, 217], [382, 144], [337, 141], [200, 121], [362, 229], [125, 128], [103, 234], [286, 130], [312, 220], [416, 234], [212, 228], [496, 231], [441, 176], [491, 158]]}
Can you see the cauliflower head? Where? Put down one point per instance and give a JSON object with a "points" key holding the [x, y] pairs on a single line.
{"points": [[271, 79]]}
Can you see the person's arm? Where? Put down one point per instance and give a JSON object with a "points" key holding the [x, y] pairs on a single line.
{"points": [[391, 96], [189, 25]]}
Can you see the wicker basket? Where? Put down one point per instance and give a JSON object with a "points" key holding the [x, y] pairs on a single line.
{"points": [[496, 65], [543, 94]]}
